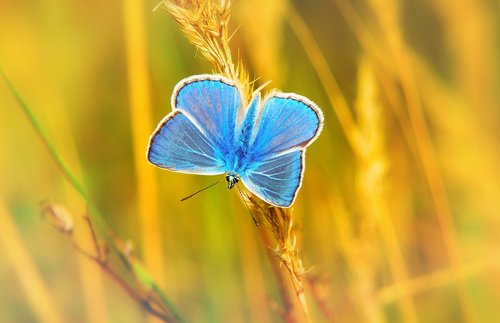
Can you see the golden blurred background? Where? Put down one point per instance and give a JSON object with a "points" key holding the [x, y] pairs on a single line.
{"points": [[399, 212]]}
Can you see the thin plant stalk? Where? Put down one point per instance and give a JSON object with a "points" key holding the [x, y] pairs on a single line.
{"points": [[63, 167], [205, 25], [376, 51], [141, 116], [281, 279], [318, 60], [97, 217]]}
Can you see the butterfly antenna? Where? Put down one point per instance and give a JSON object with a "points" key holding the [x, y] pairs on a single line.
{"points": [[245, 201], [205, 188]]}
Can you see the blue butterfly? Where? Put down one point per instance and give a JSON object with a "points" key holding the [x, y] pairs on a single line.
{"points": [[209, 132]]}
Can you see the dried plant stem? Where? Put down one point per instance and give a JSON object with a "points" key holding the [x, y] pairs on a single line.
{"points": [[284, 282], [320, 65], [154, 308], [299, 290], [279, 221], [141, 116], [435, 182], [280, 277], [205, 25], [473, 51], [317, 291], [377, 52], [387, 18], [31, 282]]}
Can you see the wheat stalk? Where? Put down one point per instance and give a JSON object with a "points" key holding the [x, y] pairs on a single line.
{"points": [[205, 24]]}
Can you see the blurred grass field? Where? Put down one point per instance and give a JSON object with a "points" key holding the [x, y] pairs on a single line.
{"points": [[399, 212]]}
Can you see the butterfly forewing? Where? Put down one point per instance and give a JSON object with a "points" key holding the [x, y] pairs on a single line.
{"points": [[178, 145], [212, 103]]}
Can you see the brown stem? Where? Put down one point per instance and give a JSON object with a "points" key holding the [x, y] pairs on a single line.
{"points": [[280, 277], [317, 294], [94, 236], [301, 297], [153, 307], [136, 296]]}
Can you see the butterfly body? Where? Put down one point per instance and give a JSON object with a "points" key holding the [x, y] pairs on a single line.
{"points": [[210, 132], [232, 179]]}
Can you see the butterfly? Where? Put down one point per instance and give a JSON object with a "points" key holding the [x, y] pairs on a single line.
{"points": [[209, 132]]}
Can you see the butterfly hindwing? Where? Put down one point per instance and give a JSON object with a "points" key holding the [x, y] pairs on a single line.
{"points": [[277, 179], [178, 145]]}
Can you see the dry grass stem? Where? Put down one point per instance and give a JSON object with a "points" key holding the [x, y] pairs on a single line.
{"points": [[366, 139], [280, 222], [327, 79], [142, 294], [205, 24], [263, 36], [142, 123], [320, 291]]}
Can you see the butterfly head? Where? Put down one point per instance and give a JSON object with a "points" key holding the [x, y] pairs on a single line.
{"points": [[232, 179]]}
